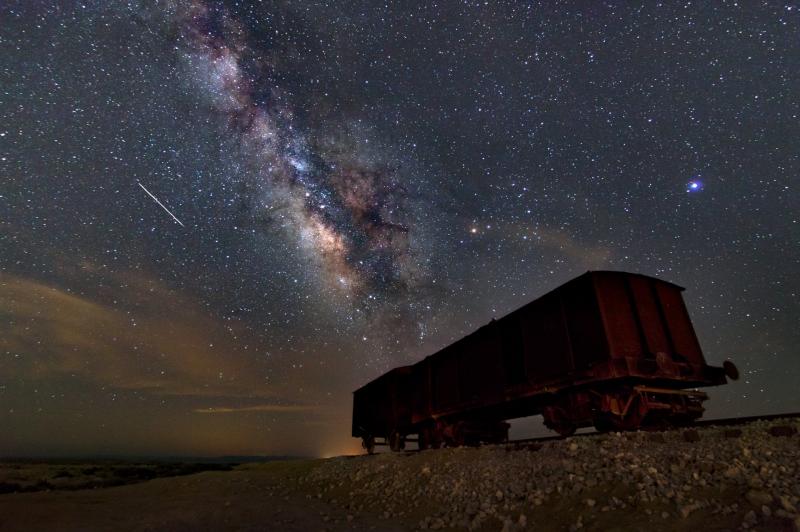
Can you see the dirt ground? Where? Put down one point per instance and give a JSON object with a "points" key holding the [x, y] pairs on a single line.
{"points": [[616, 482], [257, 497]]}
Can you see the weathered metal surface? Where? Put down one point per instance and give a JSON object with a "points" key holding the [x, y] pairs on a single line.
{"points": [[569, 354], [383, 404]]}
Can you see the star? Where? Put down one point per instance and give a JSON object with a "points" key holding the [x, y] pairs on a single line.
{"points": [[694, 186]]}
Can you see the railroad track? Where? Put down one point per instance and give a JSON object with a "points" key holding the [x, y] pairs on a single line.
{"points": [[743, 420], [724, 422], [731, 421]]}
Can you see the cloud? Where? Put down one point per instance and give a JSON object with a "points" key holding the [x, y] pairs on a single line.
{"points": [[555, 241], [588, 256], [159, 342], [120, 360]]}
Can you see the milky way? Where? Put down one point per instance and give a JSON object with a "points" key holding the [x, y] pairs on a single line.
{"points": [[345, 210], [361, 184]]}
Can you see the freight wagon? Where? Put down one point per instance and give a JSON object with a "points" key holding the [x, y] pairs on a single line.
{"points": [[611, 349]]}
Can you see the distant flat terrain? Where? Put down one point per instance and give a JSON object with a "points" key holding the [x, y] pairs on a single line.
{"points": [[18, 476], [714, 478], [251, 497]]}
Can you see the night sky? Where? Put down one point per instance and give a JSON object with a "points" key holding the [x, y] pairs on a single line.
{"points": [[358, 184]]}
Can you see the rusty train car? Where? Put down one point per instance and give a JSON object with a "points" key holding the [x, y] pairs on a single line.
{"points": [[611, 349]]}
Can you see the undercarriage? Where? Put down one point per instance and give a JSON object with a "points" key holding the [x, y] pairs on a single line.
{"points": [[623, 409]]}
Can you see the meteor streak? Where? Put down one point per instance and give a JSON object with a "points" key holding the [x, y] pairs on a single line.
{"points": [[161, 204]]}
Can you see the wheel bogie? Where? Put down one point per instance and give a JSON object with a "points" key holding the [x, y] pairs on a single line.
{"points": [[368, 443], [397, 441], [626, 408], [619, 408]]}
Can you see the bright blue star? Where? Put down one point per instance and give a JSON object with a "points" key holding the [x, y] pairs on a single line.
{"points": [[694, 186]]}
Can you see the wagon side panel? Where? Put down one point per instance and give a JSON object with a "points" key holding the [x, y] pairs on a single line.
{"points": [[444, 379], [623, 330], [480, 367], [651, 317], [420, 391], [510, 332], [584, 323], [369, 411], [679, 325], [545, 340]]}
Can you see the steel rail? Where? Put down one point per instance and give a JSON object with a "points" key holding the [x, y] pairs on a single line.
{"points": [[722, 422]]}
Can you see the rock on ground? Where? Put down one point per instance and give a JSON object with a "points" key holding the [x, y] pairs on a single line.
{"points": [[717, 479]]}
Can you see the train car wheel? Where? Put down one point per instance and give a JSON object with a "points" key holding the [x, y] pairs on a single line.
{"points": [[397, 441], [429, 438], [556, 418], [565, 429], [455, 434], [660, 424], [424, 439], [679, 420], [368, 443], [603, 424]]}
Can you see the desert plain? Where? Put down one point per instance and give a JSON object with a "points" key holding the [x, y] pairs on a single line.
{"points": [[714, 478]]}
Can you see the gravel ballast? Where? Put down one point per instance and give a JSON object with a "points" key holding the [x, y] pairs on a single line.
{"points": [[720, 478]]}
